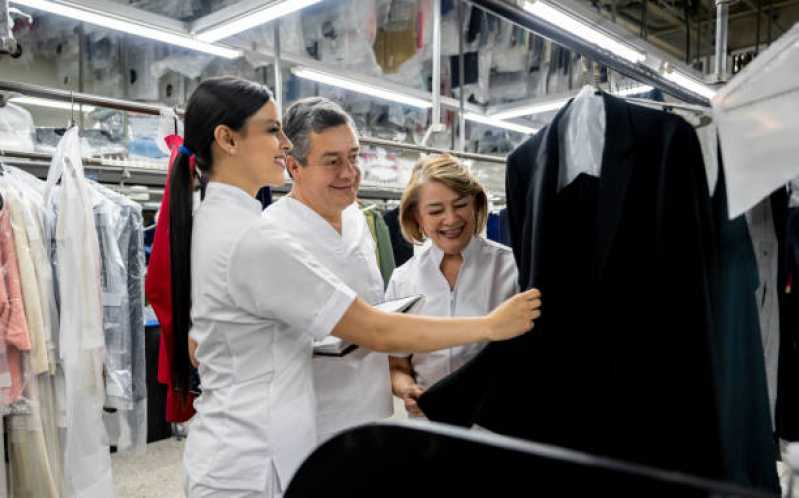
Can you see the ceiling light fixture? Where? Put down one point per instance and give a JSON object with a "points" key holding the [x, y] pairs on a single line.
{"points": [[690, 84], [578, 28], [53, 104], [636, 90], [493, 121], [115, 23], [358, 87], [527, 110], [254, 18]]}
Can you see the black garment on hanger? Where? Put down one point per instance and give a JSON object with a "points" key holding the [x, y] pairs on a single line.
{"points": [[403, 250], [745, 417], [471, 69], [787, 225], [620, 362], [446, 461]]}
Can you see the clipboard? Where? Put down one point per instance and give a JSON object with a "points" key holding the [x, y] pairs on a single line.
{"points": [[335, 347]]}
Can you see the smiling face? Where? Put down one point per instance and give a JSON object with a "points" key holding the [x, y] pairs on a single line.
{"points": [[262, 147], [447, 218], [329, 180]]}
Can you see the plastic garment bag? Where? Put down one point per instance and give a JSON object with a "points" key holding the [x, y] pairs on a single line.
{"points": [[756, 115], [87, 459], [121, 231]]}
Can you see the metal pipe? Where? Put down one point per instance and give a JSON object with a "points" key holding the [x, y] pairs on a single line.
{"points": [[639, 72], [644, 19], [722, 23], [436, 90], [770, 25], [687, 34], [757, 30], [278, 72], [432, 150], [462, 80], [81, 98]]}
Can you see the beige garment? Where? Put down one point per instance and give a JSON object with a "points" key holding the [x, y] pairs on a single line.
{"points": [[44, 275], [30, 285], [32, 437], [34, 454]]}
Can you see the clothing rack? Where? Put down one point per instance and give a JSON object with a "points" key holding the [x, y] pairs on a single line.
{"points": [[37, 163], [155, 110]]}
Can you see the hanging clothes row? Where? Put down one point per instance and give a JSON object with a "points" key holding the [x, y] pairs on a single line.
{"points": [[649, 349], [71, 313]]}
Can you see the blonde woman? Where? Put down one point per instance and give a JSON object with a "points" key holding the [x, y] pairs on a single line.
{"points": [[444, 208]]}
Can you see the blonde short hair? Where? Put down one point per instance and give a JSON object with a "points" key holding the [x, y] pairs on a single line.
{"points": [[448, 171]]}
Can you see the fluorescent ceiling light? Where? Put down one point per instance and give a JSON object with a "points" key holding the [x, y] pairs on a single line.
{"points": [[526, 110], [493, 121], [592, 35], [356, 86], [53, 104], [115, 23], [690, 84], [252, 19], [634, 90]]}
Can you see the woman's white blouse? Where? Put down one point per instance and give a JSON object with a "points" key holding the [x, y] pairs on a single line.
{"points": [[258, 302], [487, 277]]}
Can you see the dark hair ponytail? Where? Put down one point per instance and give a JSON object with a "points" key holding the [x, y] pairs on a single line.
{"points": [[217, 101]]}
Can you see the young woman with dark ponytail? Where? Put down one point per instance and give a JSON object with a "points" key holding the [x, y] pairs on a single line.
{"points": [[245, 292]]}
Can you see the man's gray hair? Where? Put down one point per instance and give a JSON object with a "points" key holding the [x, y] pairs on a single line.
{"points": [[313, 114]]}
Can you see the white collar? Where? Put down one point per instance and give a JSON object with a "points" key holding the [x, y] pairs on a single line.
{"points": [[235, 194], [436, 255]]}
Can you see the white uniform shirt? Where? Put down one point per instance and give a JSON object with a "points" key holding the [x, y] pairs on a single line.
{"points": [[487, 277], [258, 302], [356, 388]]}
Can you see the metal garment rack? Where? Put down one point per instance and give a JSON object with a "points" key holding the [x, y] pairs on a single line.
{"points": [[155, 110], [38, 163], [105, 171]]}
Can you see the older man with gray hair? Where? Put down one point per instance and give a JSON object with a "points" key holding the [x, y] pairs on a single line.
{"points": [[321, 214]]}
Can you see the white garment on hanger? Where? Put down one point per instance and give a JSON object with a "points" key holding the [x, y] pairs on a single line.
{"points": [[354, 389], [87, 457], [582, 137]]}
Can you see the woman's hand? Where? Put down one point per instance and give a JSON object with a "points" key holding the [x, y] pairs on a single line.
{"points": [[409, 394], [515, 316], [403, 384]]}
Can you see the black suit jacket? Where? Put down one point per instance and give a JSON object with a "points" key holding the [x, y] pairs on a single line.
{"points": [[620, 362]]}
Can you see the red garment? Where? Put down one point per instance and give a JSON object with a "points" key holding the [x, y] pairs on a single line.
{"points": [[158, 289], [13, 325]]}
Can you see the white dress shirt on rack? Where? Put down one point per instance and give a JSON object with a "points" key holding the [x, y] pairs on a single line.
{"points": [[356, 388], [487, 277], [258, 302]]}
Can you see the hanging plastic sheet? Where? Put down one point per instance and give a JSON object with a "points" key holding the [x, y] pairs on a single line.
{"points": [[87, 459], [756, 115]]}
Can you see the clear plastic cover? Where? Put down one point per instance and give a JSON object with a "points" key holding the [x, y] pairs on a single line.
{"points": [[87, 461], [121, 233], [756, 115], [16, 128]]}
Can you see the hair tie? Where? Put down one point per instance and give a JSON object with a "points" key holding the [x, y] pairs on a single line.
{"points": [[185, 150]]}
